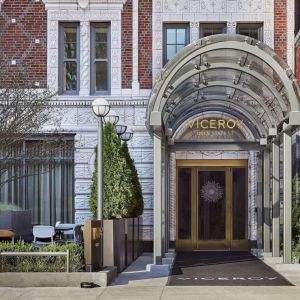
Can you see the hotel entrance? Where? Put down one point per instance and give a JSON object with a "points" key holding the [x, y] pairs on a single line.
{"points": [[212, 205], [220, 112]]}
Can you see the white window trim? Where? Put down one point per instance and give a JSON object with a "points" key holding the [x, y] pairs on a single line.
{"points": [[84, 17]]}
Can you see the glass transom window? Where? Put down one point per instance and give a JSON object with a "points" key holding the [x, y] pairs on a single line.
{"points": [[176, 37]]}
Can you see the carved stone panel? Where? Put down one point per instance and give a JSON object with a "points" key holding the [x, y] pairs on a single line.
{"points": [[176, 5], [250, 5], [213, 6], [147, 218]]}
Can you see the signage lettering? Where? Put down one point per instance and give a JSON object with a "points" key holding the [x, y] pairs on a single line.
{"points": [[215, 124], [254, 278]]}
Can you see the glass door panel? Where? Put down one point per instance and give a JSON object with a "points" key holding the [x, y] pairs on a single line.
{"points": [[184, 206], [239, 204], [211, 205]]}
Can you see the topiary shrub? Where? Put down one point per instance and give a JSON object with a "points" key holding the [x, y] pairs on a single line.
{"points": [[41, 263], [118, 192], [138, 201]]}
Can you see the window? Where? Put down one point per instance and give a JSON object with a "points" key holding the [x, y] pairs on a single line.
{"points": [[39, 176], [100, 58], [176, 37], [69, 58], [254, 30], [207, 29]]}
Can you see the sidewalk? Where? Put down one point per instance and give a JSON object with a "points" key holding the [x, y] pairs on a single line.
{"points": [[136, 283]]}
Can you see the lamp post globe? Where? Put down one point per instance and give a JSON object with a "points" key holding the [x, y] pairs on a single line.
{"points": [[111, 117], [127, 136], [120, 128], [100, 107]]}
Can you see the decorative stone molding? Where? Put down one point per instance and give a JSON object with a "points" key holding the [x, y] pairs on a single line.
{"points": [[83, 4]]}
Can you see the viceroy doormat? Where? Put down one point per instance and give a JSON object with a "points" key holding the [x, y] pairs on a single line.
{"points": [[222, 268]]}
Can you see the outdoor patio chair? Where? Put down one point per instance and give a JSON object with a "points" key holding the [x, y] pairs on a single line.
{"points": [[43, 232], [78, 235]]}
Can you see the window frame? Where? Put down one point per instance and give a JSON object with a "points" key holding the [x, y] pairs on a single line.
{"points": [[173, 25], [216, 25], [93, 26], [62, 60], [252, 25]]}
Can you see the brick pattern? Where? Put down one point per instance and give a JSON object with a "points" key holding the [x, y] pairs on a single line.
{"points": [[145, 44], [297, 67], [18, 40], [127, 45], [280, 35]]}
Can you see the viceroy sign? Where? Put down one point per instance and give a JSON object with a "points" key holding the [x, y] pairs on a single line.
{"points": [[215, 124]]}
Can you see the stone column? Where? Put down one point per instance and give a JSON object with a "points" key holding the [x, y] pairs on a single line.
{"points": [[267, 208], [157, 199], [287, 198], [84, 58], [259, 201], [163, 195], [275, 199]]}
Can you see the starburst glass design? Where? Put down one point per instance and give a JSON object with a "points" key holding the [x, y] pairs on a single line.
{"points": [[212, 192]]}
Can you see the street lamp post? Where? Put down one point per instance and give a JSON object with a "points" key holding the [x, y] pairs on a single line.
{"points": [[101, 108], [120, 129], [126, 136]]}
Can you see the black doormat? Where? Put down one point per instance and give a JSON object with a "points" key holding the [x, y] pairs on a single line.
{"points": [[222, 268]]}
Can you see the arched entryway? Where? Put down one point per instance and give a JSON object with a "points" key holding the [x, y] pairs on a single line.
{"points": [[229, 93]]}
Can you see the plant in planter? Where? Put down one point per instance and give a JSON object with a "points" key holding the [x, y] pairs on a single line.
{"points": [[122, 195], [118, 192]]}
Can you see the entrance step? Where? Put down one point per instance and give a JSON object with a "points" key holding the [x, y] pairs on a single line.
{"points": [[168, 260], [158, 268], [169, 255], [273, 260]]}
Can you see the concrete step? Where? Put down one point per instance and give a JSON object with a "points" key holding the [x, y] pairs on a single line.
{"points": [[168, 260], [293, 268], [267, 254], [169, 255], [273, 260], [158, 268]]}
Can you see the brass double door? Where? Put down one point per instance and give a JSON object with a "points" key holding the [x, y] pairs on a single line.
{"points": [[212, 205]]}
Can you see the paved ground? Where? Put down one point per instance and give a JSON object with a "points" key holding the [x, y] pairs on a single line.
{"points": [[138, 284]]}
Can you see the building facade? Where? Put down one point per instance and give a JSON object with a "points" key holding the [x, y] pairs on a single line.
{"points": [[206, 87]]}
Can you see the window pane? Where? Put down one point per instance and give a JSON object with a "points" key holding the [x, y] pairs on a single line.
{"points": [[171, 36], [181, 36], [101, 35], [70, 42], [171, 51], [101, 76], [70, 76], [101, 50], [101, 43], [179, 47]]}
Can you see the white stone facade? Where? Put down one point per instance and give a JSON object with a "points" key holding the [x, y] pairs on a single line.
{"points": [[131, 104]]}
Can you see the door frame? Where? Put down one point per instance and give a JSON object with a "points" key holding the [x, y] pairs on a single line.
{"points": [[213, 164]]}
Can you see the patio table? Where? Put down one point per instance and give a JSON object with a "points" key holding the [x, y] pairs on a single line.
{"points": [[59, 230], [4, 233]]}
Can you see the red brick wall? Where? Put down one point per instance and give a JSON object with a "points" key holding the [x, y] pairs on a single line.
{"points": [[298, 63], [17, 40], [127, 45], [145, 44], [280, 39]]}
